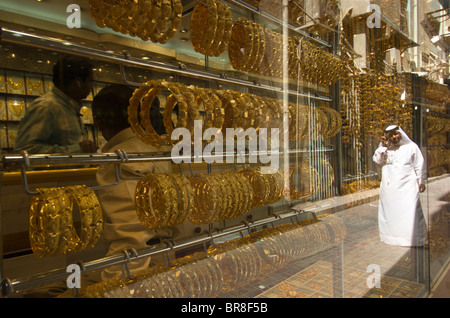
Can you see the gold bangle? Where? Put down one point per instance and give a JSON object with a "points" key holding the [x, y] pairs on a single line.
{"points": [[261, 40], [218, 112], [308, 181], [206, 199], [91, 215], [146, 105], [97, 11], [254, 36], [260, 187], [164, 200], [219, 31], [185, 199], [293, 62], [241, 43], [133, 113], [153, 16], [155, 201], [228, 104], [177, 11], [236, 197], [163, 20], [203, 26], [48, 210], [225, 33], [187, 110], [243, 188], [51, 221]]}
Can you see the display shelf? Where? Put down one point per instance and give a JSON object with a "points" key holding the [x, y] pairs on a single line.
{"points": [[127, 59], [11, 286]]}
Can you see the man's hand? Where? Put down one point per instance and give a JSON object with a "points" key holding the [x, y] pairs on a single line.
{"points": [[421, 188], [88, 146]]}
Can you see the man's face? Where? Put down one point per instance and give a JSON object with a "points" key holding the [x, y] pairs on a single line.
{"points": [[395, 137]]}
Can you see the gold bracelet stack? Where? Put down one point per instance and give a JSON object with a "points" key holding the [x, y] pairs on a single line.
{"points": [[228, 265], [238, 260], [51, 221], [259, 50], [156, 20], [223, 109], [164, 200], [247, 45], [142, 98], [139, 114], [306, 183], [334, 121], [266, 188], [210, 27], [220, 196]]}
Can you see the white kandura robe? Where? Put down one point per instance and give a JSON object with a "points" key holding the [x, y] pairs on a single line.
{"points": [[400, 216], [121, 226]]}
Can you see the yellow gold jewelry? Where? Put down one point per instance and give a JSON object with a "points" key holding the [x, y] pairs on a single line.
{"points": [[156, 139], [218, 113], [307, 182], [51, 221], [15, 86], [206, 199], [164, 200], [177, 11], [153, 17], [133, 113], [91, 215], [203, 26], [229, 105], [219, 30], [260, 187], [185, 197], [223, 31], [95, 8], [51, 225], [33, 87], [163, 20], [155, 201], [241, 45], [187, 108], [16, 107]]}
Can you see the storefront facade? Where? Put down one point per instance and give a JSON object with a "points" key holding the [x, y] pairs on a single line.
{"points": [[285, 207]]}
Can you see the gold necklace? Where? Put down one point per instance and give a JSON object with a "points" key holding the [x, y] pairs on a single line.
{"points": [[15, 86], [17, 107], [34, 87]]}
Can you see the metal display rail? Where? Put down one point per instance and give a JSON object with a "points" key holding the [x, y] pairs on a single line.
{"points": [[10, 286]]}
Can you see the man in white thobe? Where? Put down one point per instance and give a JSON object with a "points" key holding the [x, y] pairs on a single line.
{"points": [[122, 228], [400, 216]]}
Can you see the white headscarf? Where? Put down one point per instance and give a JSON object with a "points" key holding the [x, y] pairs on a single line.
{"points": [[405, 139]]}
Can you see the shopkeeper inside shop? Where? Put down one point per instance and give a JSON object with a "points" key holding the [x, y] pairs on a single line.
{"points": [[52, 122], [122, 228]]}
